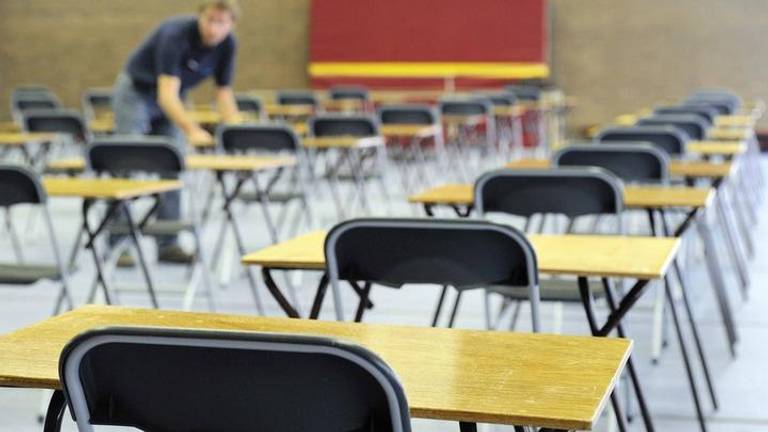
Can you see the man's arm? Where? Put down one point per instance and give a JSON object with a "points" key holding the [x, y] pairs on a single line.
{"points": [[169, 101], [227, 106]]}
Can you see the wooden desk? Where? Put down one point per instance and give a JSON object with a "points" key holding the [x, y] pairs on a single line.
{"points": [[677, 168], [22, 138], [462, 120], [735, 121], [634, 196], [237, 163], [343, 142], [117, 194], [199, 162], [717, 148], [610, 256], [521, 378], [729, 134], [277, 110], [509, 111], [409, 130], [103, 188]]}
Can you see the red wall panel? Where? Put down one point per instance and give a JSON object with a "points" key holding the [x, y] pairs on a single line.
{"points": [[428, 31]]}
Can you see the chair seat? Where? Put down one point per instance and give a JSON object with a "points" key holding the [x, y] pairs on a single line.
{"points": [[273, 197], [156, 228], [560, 290], [26, 274]]}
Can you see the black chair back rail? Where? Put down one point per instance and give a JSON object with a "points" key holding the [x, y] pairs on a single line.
{"points": [[174, 379]]}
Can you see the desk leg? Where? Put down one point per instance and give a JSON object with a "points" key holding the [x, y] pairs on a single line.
{"points": [[686, 359], [718, 283], [230, 218], [691, 319], [614, 321], [277, 294], [55, 413], [729, 192], [91, 244], [134, 234], [733, 246]]}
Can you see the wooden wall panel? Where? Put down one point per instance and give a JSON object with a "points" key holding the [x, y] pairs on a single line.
{"points": [[71, 45], [614, 56], [621, 56]]}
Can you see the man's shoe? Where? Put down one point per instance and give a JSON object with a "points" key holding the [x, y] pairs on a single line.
{"points": [[175, 255], [126, 260]]}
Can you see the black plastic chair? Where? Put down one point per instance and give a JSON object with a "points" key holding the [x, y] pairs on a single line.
{"points": [[96, 102], [459, 253], [505, 99], [706, 113], [129, 155], [343, 125], [349, 92], [30, 98], [631, 162], [724, 101], [409, 114], [693, 125], [472, 106], [668, 138], [270, 139], [63, 121], [249, 104], [19, 185], [164, 379], [296, 97], [339, 125], [572, 192], [524, 92]]}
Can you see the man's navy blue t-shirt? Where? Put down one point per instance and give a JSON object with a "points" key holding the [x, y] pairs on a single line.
{"points": [[175, 48]]}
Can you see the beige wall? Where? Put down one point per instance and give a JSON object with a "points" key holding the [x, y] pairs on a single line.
{"points": [[70, 45], [614, 56], [618, 56]]}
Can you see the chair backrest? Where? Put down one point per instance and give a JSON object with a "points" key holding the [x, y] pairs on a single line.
{"points": [[58, 120], [348, 92], [33, 97], [704, 112], [524, 92], [119, 154], [338, 125], [96, 101], [19, 185], [631, 162], [249, 104], [164, 379], [468, 106], [668, 138], [725, 102], [408, 114], [272, 137], [722, 107], [459, 253], [571, 192], [692, 124], [499, 98], [296, 97], [718, 95]]}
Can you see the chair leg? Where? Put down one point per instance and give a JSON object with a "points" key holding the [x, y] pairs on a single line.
{"points": [[455, 308], [439, 306], [55, 413]]}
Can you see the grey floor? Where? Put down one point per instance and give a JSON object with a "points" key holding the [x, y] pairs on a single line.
{"points": [[741, 382]]}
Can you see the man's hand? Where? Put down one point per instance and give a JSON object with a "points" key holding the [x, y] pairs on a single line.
{"points": [[169, 101], [199, 136]]}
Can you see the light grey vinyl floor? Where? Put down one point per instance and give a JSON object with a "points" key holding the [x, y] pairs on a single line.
{"points": [[742, 383]]}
